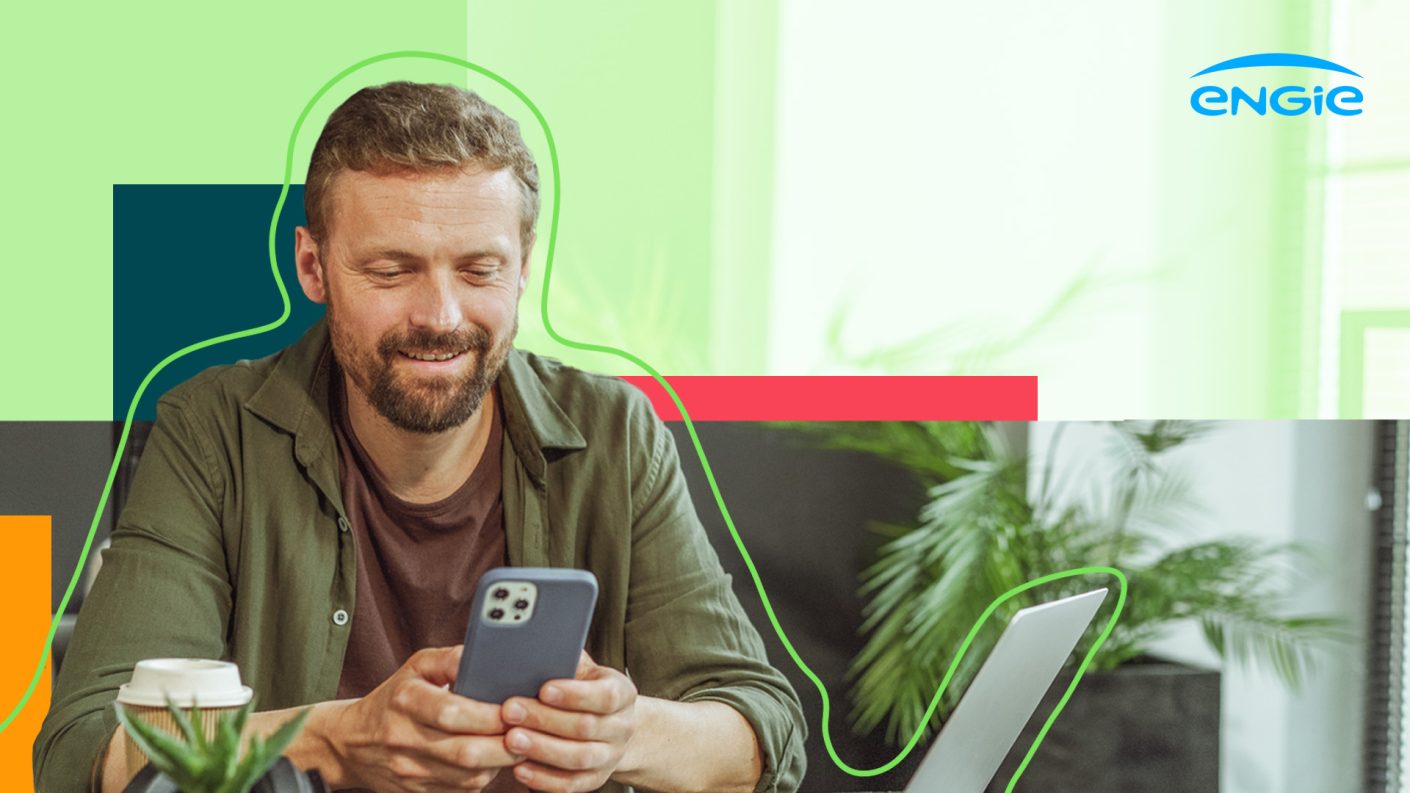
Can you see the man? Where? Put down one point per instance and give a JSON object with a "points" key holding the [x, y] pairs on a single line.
{"points": [[322, 516]]}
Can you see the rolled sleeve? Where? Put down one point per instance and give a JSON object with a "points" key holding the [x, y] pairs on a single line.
{"points": [[688, 638], [780, 734]]}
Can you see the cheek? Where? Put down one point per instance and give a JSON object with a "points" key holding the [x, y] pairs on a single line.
{"points": [[366, 320], [386, 312], [496, 312]]}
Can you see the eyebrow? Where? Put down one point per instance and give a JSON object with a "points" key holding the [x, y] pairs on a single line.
{"points": [[408, 257]]}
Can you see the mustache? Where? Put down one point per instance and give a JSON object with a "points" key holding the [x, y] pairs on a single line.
{"points": [[458, 341]]}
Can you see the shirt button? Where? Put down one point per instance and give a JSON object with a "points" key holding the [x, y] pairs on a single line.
{"points": [[343, 524], [340, 617]]}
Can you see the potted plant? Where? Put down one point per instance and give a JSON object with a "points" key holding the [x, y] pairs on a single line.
{"points": [[992, 520], [196, 763]]}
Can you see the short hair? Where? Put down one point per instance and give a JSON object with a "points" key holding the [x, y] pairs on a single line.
{"points": [[419, 128]]}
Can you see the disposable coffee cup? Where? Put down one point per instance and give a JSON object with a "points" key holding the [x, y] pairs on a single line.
{"points": [[212, 687]]}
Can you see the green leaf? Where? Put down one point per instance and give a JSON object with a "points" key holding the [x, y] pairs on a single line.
{"points": [[168, 755], [981, 530], [229, 733], [185, 722], [286, 733], [198, 765]]}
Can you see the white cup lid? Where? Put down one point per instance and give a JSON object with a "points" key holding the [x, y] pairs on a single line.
{"points": [[188, 682]]}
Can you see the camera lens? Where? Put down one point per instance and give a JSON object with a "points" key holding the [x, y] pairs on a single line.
{"points": [[500, 594], [496, 614], [521, 604]]}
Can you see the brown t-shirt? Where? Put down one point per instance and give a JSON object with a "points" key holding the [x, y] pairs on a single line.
{"points": [[417, 564]]}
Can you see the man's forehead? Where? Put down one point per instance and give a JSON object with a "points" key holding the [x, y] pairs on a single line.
{"points": [[472, 202], [471, 186]]}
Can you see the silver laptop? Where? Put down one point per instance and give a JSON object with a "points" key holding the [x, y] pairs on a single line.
{"points": [[1003, 696]]}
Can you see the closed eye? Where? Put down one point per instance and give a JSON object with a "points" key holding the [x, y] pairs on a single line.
{"points": [[483, 273]]}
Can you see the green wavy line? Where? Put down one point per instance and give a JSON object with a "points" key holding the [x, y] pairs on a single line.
{"points": [[548, 325]]}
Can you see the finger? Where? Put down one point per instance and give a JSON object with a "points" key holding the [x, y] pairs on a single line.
{"points": [[605, 691], [446, 711], [580, 726], [437, 665], [456, 757], [563, 753], [555, 780], [427, 772], [585, 665]]}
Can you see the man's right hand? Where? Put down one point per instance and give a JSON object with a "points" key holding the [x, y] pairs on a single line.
{"points": [[413, 734]]}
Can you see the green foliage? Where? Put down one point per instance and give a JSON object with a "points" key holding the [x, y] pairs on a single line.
{"points": [[991, 521], [198, 764]]}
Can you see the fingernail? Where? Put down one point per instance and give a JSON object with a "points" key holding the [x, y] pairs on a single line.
{"points": [[552, 695], [518, 741], [514, 713], [524, 774]]}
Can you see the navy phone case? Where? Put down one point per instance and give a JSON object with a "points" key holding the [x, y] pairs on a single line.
{"points": [[515, 660]]}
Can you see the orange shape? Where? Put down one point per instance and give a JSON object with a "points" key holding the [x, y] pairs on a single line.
{"points": [[24, 624]]}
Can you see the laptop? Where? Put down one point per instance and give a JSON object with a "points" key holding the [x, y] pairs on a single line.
{"points": [[1003, 695]]}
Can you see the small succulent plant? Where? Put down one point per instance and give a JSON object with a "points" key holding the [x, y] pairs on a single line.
{"points": [[198, 764]]}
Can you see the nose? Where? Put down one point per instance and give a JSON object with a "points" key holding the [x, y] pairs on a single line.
{"points": [[435, 306]]}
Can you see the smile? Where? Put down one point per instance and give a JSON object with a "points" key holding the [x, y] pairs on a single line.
{"points": [[429, 356]]}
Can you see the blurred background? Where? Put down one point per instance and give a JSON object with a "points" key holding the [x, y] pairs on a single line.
{"points": [[1283, 541], [780, 187], [1021, 188]]}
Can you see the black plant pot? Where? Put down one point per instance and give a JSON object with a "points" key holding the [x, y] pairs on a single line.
{"points": [[283, 777], [1145, 726]]}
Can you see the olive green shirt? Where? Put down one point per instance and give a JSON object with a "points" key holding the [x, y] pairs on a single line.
{"points": [[233, 544]]}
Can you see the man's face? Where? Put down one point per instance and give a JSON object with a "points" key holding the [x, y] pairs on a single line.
{"points": [[422, 274]]}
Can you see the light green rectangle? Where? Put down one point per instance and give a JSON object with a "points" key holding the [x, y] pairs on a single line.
{"points": [[161, 92]]}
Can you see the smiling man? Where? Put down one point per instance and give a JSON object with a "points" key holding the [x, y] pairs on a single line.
{"points": [[322, 516]]}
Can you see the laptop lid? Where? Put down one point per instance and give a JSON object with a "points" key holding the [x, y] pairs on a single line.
{"points": [[1003, 695]]}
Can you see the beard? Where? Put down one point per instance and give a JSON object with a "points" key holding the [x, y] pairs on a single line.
{"points": [[428, 404]]}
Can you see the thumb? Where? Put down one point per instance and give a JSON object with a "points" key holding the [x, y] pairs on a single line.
{"points": [[585, 666], [436, 665]]}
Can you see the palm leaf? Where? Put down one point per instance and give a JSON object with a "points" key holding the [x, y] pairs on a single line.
{"points": [[1286, 644], [982, 531]]}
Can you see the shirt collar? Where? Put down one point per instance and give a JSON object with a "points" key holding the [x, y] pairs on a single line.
{"points": [[294, 398]]}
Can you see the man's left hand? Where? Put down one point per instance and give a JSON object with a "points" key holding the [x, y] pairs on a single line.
{"points": [[574, 735]]}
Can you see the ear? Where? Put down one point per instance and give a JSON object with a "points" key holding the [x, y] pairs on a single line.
{"points": [[309, 265], [524, 266]]}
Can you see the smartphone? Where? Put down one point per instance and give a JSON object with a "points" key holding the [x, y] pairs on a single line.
{"points": [[527, 627]]}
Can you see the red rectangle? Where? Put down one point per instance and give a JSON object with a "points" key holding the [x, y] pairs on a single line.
{"points": [[848, 398]]}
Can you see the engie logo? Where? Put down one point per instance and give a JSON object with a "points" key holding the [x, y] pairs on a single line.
{"points": [[1284, 100]]}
